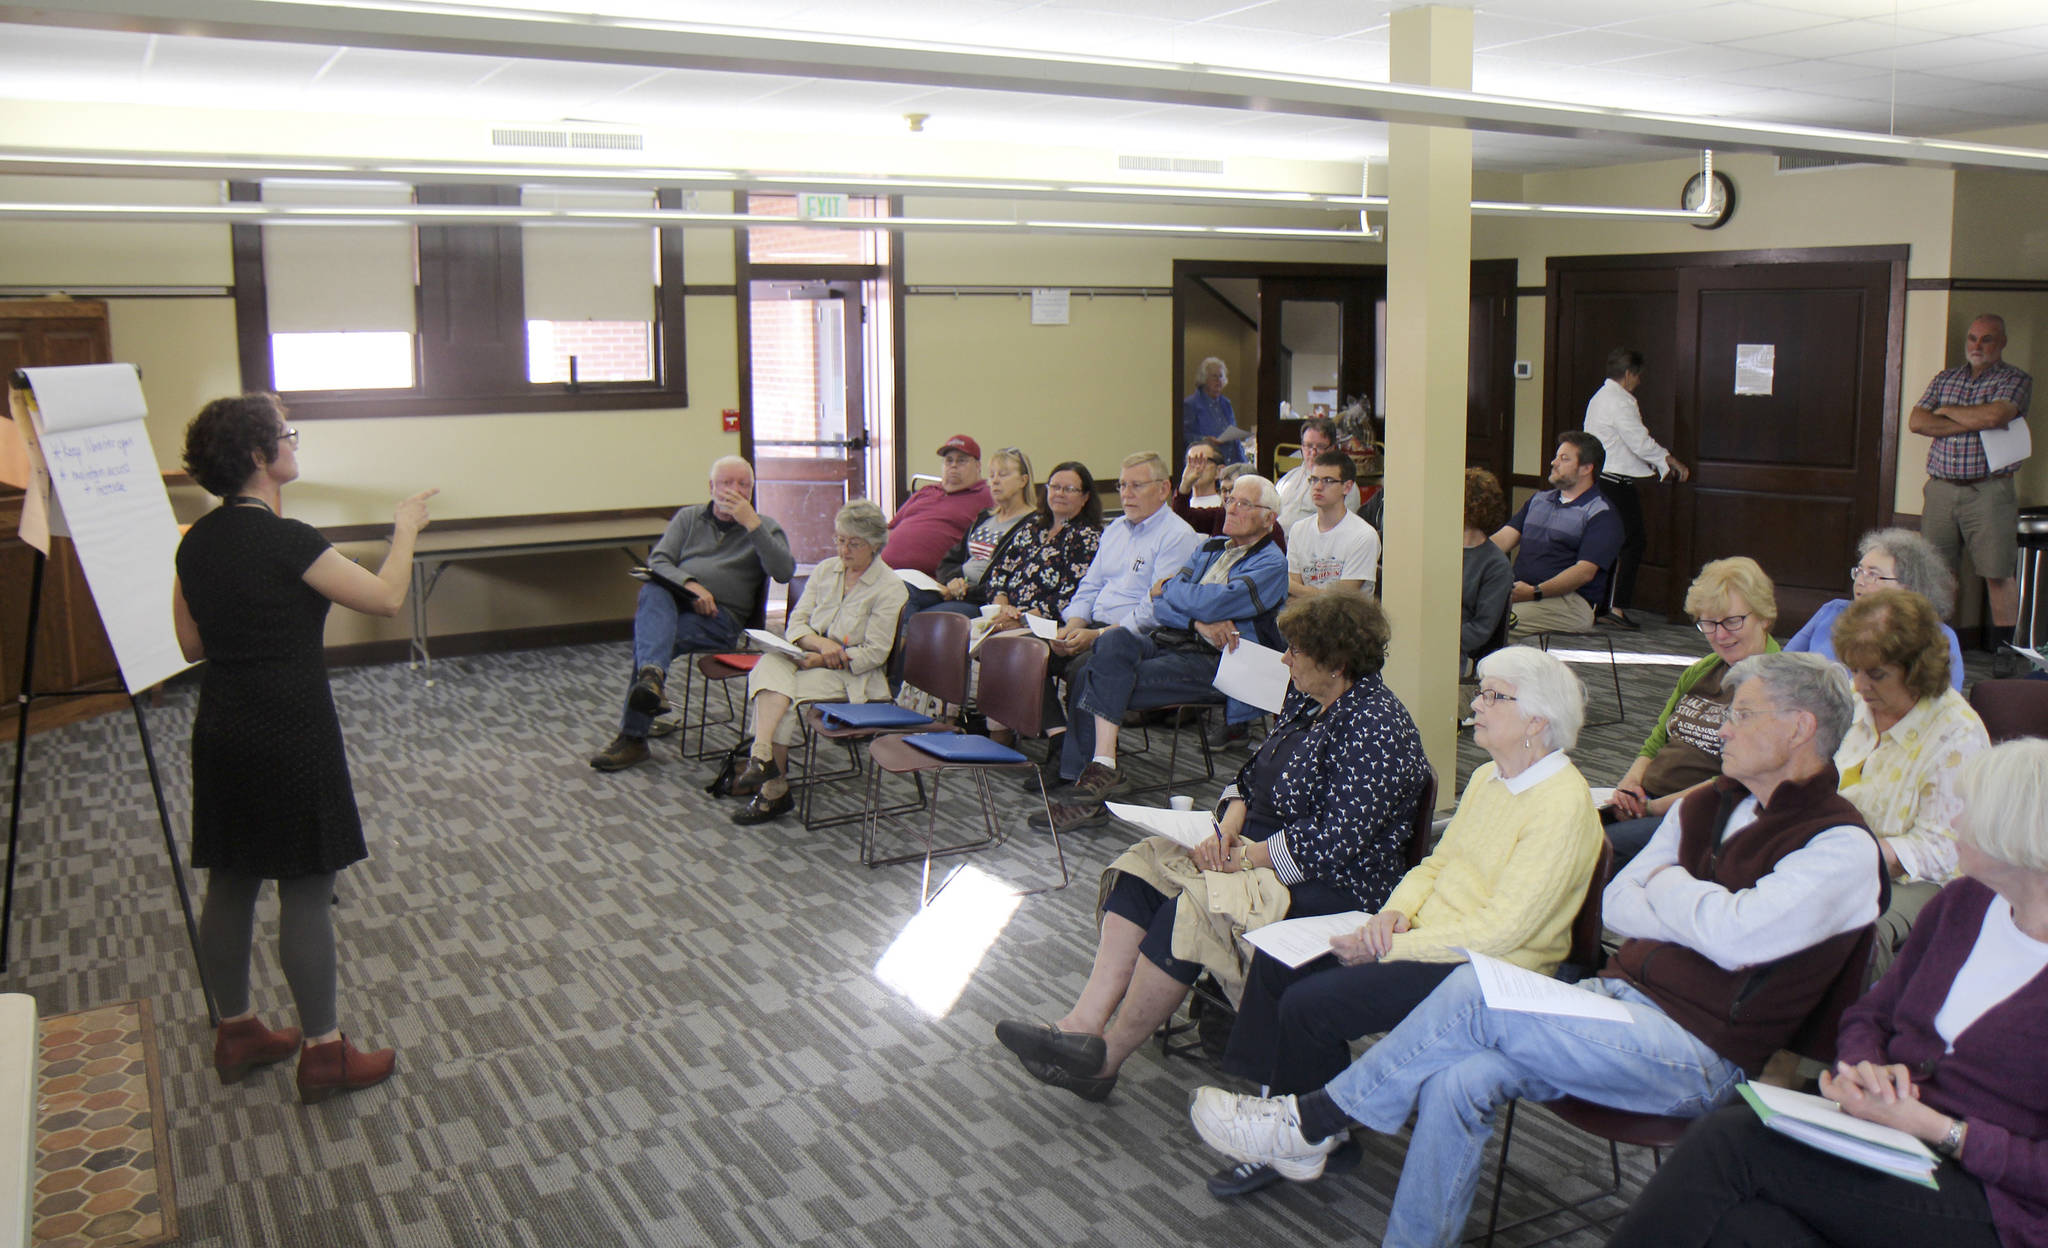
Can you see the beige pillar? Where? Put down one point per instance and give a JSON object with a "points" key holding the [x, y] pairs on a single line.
{"points": [[1429, 285]]}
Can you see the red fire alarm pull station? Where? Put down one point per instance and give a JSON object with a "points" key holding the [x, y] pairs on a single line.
{"points": [[729, 420]]}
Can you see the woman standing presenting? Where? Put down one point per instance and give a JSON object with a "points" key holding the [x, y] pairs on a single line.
{"points": [[271, 798]]}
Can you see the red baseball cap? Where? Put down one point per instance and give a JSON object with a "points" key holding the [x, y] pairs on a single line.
{"points": [[961, 442]]}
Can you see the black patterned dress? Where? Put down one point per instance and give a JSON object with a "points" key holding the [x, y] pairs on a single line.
{"points": [[270, 785]]}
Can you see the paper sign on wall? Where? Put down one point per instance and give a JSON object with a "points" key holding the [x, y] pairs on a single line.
{"points": [[1049, 307], [1756, 366], [86, 430]]}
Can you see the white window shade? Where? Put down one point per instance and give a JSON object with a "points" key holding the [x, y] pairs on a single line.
{"points": [[589, 272], [338, 278]]}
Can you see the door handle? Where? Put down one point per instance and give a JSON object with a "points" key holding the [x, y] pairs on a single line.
{"points": [[858, 442]]}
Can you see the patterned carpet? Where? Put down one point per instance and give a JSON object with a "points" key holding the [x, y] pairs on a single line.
{"points": [[621, 1019]]}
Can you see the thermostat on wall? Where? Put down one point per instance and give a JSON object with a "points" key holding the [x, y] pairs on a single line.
{"points": [[1524, 370]]}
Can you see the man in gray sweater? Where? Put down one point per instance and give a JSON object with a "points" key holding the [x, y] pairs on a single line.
{"points": [[705, 577]]}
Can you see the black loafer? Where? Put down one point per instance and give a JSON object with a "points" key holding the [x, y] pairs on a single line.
{"points": [[1247, 1177], [755, 774], [1042, 1042], [1087, 1087], [765, 810]]}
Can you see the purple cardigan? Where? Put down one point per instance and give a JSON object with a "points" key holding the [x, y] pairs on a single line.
{"points": [[1994, 1080]]}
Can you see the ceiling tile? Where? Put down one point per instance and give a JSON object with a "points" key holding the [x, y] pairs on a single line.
{"points": [[1936, 54], [1697, 60], [1723, 23], [1326, 19], [1590, 47], [1836, 39]]}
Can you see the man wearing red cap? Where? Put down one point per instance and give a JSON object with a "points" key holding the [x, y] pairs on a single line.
{"points": [[934, 519]]}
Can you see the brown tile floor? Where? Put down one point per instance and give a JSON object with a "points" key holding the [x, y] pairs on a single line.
{"points": [[101, 1134]]}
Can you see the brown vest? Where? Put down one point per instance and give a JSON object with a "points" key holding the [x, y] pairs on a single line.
{"points": [[1746, 1015]]}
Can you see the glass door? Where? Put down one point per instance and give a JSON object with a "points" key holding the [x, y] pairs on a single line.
{"points": [[809, 405]]}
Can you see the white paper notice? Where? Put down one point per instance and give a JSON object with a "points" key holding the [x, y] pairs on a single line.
{"points": [[1509, 987], [1187, 828], [1756, 366], [1255, 675], [1049, 306], [918, 580], [1041, 627], [2005, 447], [105, 477], [770, 641], [1298, 942]]}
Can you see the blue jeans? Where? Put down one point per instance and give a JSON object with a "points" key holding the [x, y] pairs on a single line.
{"points": [[662, 629], [1453, 1062], [1125, 671]]}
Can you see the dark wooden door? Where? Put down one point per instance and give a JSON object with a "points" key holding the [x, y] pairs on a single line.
{"points": [[1592, 312], [1311, 317], [1791, 477], [1490, 370]]}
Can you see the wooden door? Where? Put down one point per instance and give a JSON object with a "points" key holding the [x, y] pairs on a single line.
{"points": [[1326, 320], [1490, 370], [1592, 312], [1790, 477]]}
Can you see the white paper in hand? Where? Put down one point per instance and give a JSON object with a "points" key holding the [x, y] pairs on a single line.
{"points": [[1187, 828], [1297, 942], [1041, 627], [918, 580], [1253, 674], [769, 641], [1509, 987], [2005, 447]]}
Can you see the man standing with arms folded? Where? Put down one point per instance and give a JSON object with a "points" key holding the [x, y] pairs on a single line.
{"points": [[1634, 458], [1745, 912], [705, 576], [1563, 541], [1968, 502], [1334, 548]]}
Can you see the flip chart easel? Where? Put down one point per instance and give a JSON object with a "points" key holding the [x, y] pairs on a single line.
{"points": [[94, 478]]}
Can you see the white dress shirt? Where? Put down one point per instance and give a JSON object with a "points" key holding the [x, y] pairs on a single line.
{"points": [[1615, 419]]}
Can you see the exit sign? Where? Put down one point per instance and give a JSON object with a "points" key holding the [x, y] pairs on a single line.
{"points": [[821, 204]]}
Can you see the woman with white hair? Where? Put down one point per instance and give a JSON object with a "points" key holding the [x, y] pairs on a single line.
{"points": [[1945, 1048], [1889, 559], [1507, 879], [846, 626]]}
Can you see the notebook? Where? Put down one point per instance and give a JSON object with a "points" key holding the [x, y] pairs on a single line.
{"points": [[871, 715], [744, 662], [960, 747]]}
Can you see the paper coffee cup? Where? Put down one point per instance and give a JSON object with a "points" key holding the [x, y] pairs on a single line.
{"points": [[1182, 802]]}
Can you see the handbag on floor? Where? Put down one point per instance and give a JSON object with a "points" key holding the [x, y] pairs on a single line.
{"points": [[729, 768]]}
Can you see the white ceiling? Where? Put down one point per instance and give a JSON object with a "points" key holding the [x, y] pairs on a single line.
{"points": [[1913, 67]]}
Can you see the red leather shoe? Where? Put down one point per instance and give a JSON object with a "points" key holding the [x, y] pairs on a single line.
{"points": [[339, 1066], [243, 1045]]}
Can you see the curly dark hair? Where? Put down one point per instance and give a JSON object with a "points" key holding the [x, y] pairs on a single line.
{"points": [[223, 436], [1895, 626], [1486, 508], [1091, 505], [1343, 628]]}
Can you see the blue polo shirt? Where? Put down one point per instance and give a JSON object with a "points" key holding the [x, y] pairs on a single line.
{"points": [[1557, 534]]}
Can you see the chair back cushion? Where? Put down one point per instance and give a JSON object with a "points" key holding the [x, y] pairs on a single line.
{"points": [[1012, 688], [1425, 821], [2011, 708], [935, 655]]}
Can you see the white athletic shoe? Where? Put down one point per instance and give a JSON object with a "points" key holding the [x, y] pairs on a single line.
{"points": [[1265, 1129]]}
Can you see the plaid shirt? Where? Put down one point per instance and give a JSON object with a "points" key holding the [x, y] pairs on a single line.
{"points": [[1960, 456]]}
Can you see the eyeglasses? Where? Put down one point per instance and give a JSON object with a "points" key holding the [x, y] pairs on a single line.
{"points": [[1132, 487], [1492, 697], [290, 435], [841, 541], [1238, 504], [1736, 716], [1727, 624], [1071, 489], [1326, 480], [1859, 574]]}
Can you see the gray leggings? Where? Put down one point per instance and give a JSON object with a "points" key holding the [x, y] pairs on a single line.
{"points": [[305, 943]]}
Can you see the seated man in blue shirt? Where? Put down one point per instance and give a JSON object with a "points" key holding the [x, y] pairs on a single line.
{"points": [[1564, 543], [1232, 586]]}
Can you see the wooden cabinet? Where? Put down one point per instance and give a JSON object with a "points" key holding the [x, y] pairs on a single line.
{"points": [[72, 650]]}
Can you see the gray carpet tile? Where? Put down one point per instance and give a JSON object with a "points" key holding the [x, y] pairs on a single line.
{"points": [[623, 1020]]}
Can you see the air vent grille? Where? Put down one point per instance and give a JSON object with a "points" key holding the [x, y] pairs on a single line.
{"points": [[1800, 162], [585, 140], [1169, 164]]}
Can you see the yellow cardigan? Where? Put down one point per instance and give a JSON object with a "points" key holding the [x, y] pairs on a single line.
{"points": [[1508, 877]]}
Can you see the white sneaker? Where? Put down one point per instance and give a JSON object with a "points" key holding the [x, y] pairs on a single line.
{"points": [[1265, 1129]]}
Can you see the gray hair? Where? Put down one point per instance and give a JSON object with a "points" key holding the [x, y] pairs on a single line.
{"points": [[1918, 566], [1152, 460], [862, 520], [1269, 494], [1202, 370], [1990, 317], [2004, 791], [729, 461], [1803, 682], [1544, 688]]}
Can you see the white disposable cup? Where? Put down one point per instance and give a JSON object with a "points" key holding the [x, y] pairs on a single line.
{"points": [[1182, 802]]}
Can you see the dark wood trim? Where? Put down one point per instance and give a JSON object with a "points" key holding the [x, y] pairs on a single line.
{"points": [[1903, 520], [1929, 283], [1532, 292], [252, 308], [697, 290], [743, 310], [1527, 481], [671, 294], [490, 641], [367, 532], [1218, 296], [1894, 368], [1733, 259], [46, 308], [760, 272], [899, 296], [1270, 268], [588, 398], [2018, 284]]}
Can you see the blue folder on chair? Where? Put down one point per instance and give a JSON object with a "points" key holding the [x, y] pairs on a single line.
{"points": [[871, 715], [960, 747]]}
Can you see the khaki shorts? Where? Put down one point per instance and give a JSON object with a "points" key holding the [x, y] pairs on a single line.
{"points": [[1564, 613], [1982, 516]]}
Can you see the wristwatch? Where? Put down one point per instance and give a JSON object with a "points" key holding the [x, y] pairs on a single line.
{"points": [[1539, 592], [1952, 1144]]}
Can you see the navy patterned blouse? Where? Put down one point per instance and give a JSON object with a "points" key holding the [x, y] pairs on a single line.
{"points": [[1039, 571]]}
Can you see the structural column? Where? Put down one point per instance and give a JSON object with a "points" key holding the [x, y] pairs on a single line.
{"points": [[1429, 283]]}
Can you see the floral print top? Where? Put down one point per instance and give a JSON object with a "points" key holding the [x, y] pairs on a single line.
{"points": [[1039, 571], [1904, 780]]}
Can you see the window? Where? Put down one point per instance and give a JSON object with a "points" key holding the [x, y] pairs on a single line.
{"points": [[390, 320]]}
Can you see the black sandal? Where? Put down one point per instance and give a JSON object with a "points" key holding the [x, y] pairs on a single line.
{"points": [[765, 809], [755, 774]]}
